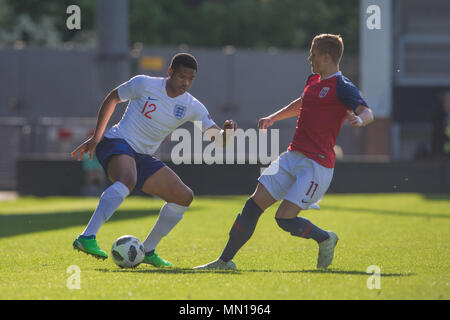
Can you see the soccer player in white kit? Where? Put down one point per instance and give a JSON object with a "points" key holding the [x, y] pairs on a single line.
{"points": [[157, 106]]}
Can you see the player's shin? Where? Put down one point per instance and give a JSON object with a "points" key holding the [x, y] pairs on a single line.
{"points": [[242, 229], [169, 216], [303, 228], [110, 200]]}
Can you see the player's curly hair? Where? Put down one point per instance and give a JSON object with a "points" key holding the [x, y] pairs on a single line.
{"points": [[183, 59], [331, 44]]}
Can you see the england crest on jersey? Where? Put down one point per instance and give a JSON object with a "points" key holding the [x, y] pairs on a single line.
{"points": [[179, 111], [323, 92]]}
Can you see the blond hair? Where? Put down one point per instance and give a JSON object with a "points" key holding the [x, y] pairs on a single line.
{"points": [[329, 43]]}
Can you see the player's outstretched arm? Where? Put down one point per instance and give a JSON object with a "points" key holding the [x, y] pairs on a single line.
{"points": [[361, 117], [291, 110], [104, 114]]}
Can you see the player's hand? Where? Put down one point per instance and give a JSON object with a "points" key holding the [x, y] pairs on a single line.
{"points": [[264, 123], [230, 124], [87, 147], [354, 120]]}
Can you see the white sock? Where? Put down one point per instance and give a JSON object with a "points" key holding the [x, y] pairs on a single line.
{"points": [[169, 216], [110, 200]]}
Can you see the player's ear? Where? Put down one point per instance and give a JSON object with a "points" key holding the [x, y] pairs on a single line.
{"points": [[170, 72]]}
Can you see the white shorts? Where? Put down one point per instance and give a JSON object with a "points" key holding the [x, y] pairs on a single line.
{"points": [[296, 178]]}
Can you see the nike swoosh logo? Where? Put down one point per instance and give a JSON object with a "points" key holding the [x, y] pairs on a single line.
{"points": [[152, 99], [303, 201]]}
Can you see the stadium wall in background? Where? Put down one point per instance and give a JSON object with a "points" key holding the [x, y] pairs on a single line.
{"points": [[421, 72], [65, 178], [51, 97]]}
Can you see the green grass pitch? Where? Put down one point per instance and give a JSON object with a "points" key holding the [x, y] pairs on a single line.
{"points": [[405, 235]]}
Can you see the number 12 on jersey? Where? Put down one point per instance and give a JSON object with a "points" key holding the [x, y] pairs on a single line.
{"points": [[147, 109]]}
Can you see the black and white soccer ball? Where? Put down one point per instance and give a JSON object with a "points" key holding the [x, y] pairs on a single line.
{"points": [[127, 252]]}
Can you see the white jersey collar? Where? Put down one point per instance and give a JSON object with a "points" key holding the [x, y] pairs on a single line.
{"points": [[333, 75]]}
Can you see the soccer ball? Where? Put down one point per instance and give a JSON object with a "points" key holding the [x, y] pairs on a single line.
{"points": [[127, 252]]}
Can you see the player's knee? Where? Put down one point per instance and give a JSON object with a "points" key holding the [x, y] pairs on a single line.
{"points": [[185, 197], [190, 196], [128, 180], [285, 224], [297, 226]]}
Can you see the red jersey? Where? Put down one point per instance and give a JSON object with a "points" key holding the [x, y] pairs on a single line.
{"points": [[324, 109]]}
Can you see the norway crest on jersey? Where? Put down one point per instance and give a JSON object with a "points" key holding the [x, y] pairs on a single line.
{"points": [[323, 92], [179, 111]]}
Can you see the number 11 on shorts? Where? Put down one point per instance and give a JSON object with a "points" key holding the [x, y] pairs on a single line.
{"points": [[315, 185]]}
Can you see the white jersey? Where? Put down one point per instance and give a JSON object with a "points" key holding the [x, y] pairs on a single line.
{"points": [[152, 115]]}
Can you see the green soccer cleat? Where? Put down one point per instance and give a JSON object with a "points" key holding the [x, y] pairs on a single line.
{"points": [[89, 245], [155, 260]]}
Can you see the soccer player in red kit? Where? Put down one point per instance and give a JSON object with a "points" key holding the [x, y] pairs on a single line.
{"points": [[301, 175]]}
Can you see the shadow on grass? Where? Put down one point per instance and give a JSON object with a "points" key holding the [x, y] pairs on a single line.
{"points": [[387, 212], [17, 224], [332, 271], [355, 272], [243, 271], [436, 196], [170, 271]]}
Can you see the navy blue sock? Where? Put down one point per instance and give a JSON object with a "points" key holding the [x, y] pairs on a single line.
{"points": [[242, 229], [303, 228], [88, 237]]}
